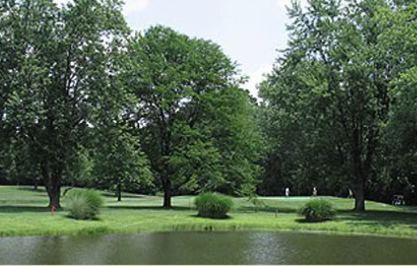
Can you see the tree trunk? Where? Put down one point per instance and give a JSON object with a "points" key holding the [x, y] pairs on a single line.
{"points": [[359, 194], [54, 193], [119, 192], [360, 172], [52, 185], [167, 194]]}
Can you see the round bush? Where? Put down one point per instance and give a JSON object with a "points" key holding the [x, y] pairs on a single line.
{"points": [[318, 210], [213, 205], [84, 204]]}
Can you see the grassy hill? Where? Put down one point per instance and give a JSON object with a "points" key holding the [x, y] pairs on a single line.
{"points": [[23, 212]]}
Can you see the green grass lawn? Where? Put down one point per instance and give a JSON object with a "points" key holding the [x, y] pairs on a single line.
{"points": [[23, 212]]}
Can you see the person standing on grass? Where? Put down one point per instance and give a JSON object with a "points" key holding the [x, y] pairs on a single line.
{"points": [[287, 192], [350, 194], [314, 191]]}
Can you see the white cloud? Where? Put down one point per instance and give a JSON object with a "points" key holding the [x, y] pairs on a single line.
{"points": [[255, 78]]}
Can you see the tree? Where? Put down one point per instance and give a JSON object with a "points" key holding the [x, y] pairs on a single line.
{"points": [[188, 98], [119, 162], [333, 85], [63, 67]]}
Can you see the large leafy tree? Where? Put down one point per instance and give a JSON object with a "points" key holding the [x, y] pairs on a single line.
{"points": [[330, 93], [62, 68], [190, 112]]}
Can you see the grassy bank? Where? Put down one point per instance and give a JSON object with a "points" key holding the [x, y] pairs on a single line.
{"points": [[23, 212]]}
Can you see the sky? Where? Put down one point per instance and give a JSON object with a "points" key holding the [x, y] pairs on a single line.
{"points": [[249, 31]]}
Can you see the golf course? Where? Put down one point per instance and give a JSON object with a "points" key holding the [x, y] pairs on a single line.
{"points": [[23, 212]]}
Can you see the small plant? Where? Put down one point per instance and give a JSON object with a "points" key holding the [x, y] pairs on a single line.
{"points": [[213, 205], [318, 210], [256, 202], [249, 192], [84, 204]]}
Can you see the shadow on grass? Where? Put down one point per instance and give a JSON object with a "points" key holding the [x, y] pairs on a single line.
{"points": [[156, 208], [32, 189], [251, 209], [83, 219], [130, 196], [20, 209], [304, 221], [382, 218], [227, 217]]}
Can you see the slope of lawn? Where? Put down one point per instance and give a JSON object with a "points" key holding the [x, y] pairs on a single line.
{"points": [[23, 212]]}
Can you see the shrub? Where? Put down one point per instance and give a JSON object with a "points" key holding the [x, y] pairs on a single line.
{"points": [[213, 205], [84, 204], [318, 210], [256, 202]]}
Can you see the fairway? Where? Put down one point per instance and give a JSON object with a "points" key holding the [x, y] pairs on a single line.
{"points": [[23, 212]]}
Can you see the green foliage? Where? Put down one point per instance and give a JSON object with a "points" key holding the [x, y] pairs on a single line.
{"points": [[318, 210], [84, 204], [57, 69], [257, 203], [89, 102], [213, 205], [249, 192], [119, 163], [79, 169], [19, 165], [83, 102], [197, 125], [398, 156], [330, 98]]}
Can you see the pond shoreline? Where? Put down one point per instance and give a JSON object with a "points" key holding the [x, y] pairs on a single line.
{"points": [[205, 229]]}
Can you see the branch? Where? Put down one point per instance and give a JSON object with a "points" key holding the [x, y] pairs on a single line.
{"points": [[67, 190]]}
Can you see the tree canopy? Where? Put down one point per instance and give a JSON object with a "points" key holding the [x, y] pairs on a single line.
{"points": [[81, 97], [195, 121], [55, 66], [330, 96]]}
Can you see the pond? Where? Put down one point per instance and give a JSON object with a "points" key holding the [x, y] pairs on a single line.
{"points": [[208, 248]]}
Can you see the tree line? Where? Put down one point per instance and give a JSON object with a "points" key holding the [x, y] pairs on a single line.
{"points": [[85, 101]]}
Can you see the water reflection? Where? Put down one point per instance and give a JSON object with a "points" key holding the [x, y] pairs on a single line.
{"points": [[208, 248]]}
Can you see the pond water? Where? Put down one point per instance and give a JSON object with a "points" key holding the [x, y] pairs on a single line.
{"points": [[208, 248]]}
